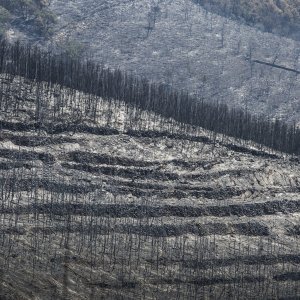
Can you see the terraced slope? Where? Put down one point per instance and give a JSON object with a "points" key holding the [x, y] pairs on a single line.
{"points": [[124, 204]]}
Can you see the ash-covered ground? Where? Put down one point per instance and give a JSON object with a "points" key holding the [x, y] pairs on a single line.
{"points": [[110, 202]]}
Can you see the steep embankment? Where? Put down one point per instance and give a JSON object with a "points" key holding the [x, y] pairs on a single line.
{"points": [[110, 202]]}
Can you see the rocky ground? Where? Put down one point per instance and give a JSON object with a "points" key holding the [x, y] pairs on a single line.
{"points": [[127, 205]]}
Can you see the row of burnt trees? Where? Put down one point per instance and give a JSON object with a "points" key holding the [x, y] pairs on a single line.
{"points": [[92, 78]]}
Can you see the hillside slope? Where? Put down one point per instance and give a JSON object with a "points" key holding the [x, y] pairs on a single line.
{"points": [[184, 45], [124, 204]]}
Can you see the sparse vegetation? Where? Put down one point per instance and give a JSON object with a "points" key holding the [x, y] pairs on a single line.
{"points": [[5, 16], [32, 12], [279, 16]]}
